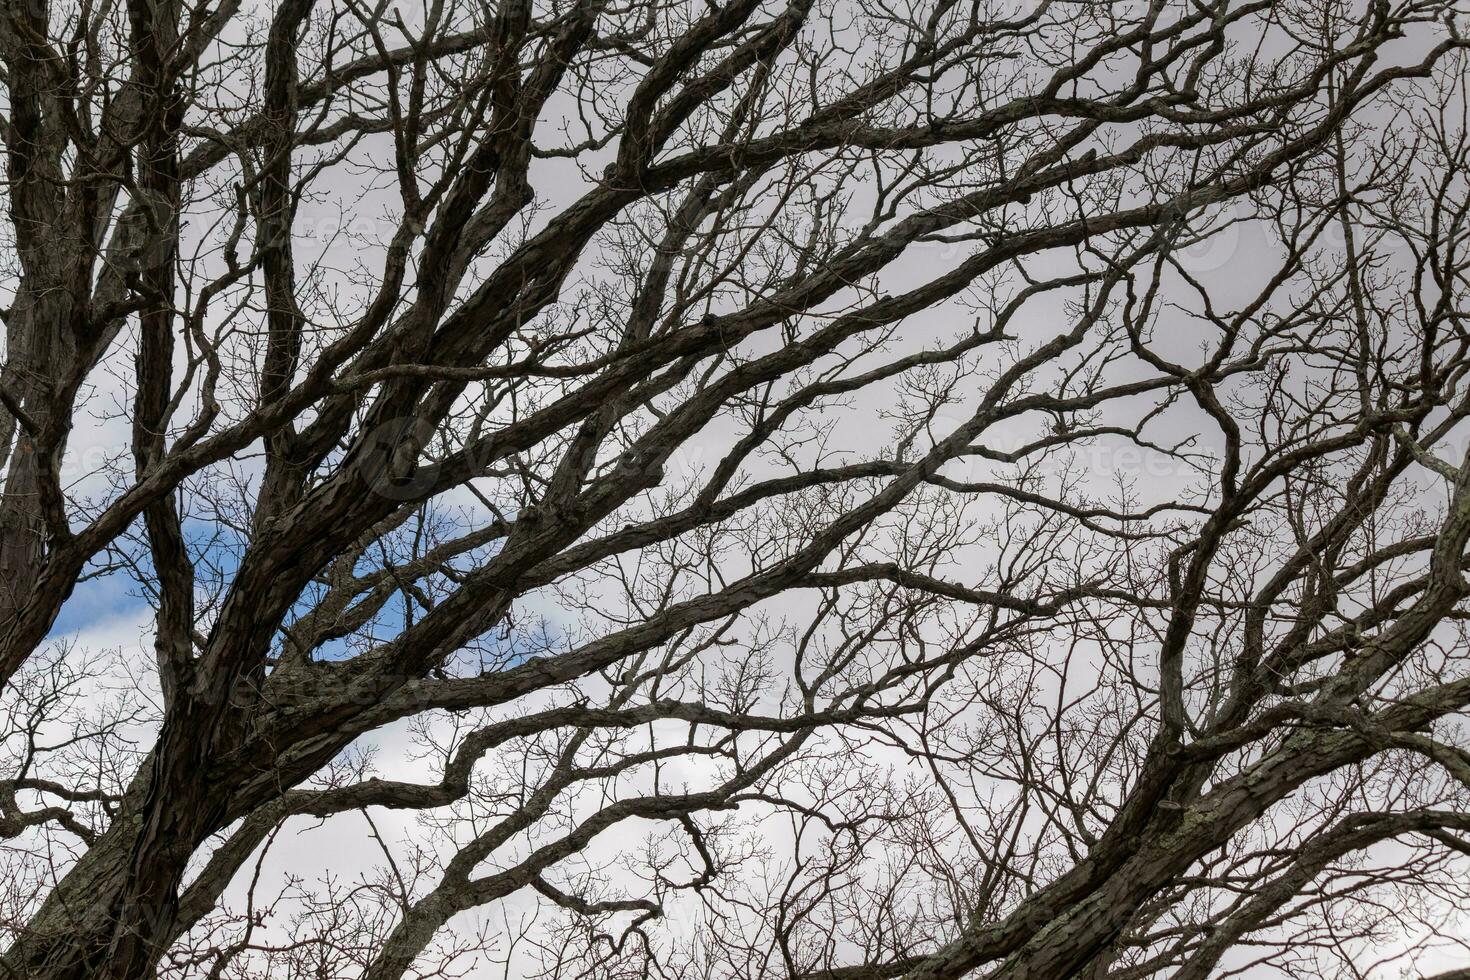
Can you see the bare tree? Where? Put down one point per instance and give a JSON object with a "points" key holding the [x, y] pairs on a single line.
{"points": [[797, 489]]}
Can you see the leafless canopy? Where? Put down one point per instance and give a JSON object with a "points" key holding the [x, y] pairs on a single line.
{"points": [[810, 489]]}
